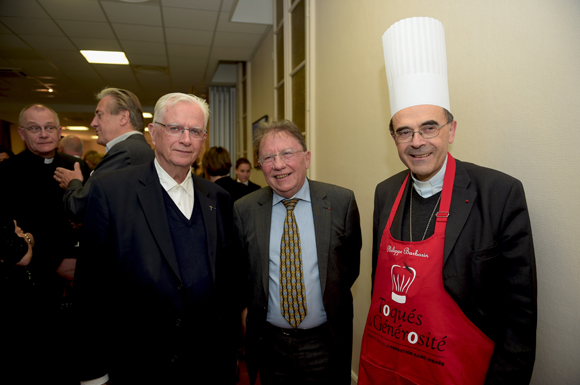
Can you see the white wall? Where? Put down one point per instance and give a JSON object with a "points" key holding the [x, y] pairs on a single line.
{"points": [[514, 75], [262, 89]]}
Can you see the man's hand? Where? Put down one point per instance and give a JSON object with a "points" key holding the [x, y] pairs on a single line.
{"points": [[66, 269], [64, 176], [27, 257]]}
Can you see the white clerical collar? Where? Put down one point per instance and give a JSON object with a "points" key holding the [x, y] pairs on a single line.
{"points": [[169, 183], [433, 185], [48, 160], [119, 139], [302, 194]]}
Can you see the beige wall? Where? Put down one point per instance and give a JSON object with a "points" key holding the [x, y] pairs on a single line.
{"points": [[514, 76], [262, 90]]}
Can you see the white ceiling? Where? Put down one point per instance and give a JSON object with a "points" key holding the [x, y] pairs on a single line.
{"points": [[172, 45]]}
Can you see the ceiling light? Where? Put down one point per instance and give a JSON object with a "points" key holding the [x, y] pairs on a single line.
{"points": [[95, 137], [77, 128], [146, 129], [105, 57], [147, 115]]}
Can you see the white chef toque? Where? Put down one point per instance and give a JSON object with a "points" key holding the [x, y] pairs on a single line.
{"points": [[416, 63]]}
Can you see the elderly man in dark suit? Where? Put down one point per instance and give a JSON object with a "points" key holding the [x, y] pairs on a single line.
{"points": [[119, 124], [156, 293], [301, 242], [31, 196]]}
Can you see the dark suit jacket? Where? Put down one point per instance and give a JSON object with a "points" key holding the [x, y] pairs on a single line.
{"points": [[489, 265], [253, 187], [130, 152], [31, 196], [236, 190], [135, 319], [338, 244]]}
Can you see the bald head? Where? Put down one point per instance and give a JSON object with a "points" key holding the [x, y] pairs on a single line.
{"points": [[71, 145]]}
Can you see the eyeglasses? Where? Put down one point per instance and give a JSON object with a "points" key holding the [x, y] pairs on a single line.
{"points": [[177, 130], [37, 129], [285, 155], [427, 132]]}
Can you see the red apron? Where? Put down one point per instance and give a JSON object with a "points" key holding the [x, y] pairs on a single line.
{"points": [[415, 332]]}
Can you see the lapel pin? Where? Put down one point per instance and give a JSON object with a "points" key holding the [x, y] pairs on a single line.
{"points": [[212, 208]]}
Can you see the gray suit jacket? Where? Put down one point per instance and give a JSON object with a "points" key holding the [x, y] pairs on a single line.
{"points": [[338, 244], [130, 152]]}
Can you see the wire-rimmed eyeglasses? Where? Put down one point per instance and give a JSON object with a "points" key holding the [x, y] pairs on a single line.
{"points": [[285, 156], [428, 131], [177, 130], [37, 129]]}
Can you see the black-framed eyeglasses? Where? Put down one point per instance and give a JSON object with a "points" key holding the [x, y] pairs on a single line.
{"points": [[428, 131], [177, 130], [285, 155], [37, 129]]}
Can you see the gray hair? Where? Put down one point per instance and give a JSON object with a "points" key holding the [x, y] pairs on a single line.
{"points": [[172, 99], [125, 101], [72, 143], [37, 107], [275, 127]]}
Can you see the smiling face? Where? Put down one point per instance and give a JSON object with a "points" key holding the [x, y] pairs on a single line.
{"points": [[243, 172], [43, 143], [107, 125], [285, 178], [424, 157], [176, 154]]}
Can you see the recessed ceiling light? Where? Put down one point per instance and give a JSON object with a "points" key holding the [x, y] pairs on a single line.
{"points": [[95, 137], [77, 128], [147, 115], [146, 129], [105, 57]]}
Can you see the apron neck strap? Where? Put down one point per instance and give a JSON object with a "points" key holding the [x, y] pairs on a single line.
{"points": [[446, 193]]}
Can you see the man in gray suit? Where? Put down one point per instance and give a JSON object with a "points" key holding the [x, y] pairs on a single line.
{"points": [[299, 304], [119, 124]]}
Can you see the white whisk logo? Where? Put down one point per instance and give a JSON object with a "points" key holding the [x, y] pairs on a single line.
{"points": [[401, 280]]}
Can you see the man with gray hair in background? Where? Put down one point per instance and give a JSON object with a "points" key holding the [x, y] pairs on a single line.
{"points": [[119, 124], [71, 145], [156, 291], [31, 197]]}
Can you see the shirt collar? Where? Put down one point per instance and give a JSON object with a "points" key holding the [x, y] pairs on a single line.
{"points": [[302, 194], [433, 185], [120, 138], [169, 183]]}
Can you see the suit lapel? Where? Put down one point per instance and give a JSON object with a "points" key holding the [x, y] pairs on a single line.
{"points": [[461, 203], [151, 199], [263, 222], [209, 213], [322, 216]]}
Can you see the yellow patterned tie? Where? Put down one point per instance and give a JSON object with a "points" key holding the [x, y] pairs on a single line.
{"points": [[292, 293]]}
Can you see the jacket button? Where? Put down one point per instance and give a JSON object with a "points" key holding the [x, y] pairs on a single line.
{"points": [[178, 322], [174, 359]]}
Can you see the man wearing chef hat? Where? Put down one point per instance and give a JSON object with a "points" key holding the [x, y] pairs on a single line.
{"points": [[454, 276]]}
